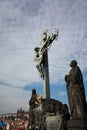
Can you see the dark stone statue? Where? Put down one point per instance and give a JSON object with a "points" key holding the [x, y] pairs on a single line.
{"points": [[32, 105], [76, 92]]}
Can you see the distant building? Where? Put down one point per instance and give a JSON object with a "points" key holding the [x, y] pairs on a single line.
{"points": [[20, 114]]}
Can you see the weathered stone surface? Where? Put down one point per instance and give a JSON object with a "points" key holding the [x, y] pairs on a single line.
{"points": [[54, 122], [77, 125], [50, 114]]}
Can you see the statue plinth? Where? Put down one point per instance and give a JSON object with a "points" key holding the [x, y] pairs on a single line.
{"points": [[77, 125]]}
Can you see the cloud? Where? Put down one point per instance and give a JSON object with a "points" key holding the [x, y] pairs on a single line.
{"points": [[13, 98], [21, 24], [62, 94]]}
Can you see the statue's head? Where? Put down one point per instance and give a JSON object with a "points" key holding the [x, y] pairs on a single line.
{"points": [[33, 91], [73, 63], [44, 35]]}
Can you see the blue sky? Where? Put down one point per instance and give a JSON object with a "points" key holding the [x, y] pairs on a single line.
{"points": [[21, 25]]}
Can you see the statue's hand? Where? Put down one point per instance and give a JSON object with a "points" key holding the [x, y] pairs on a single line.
{"points": [[66, 78]]}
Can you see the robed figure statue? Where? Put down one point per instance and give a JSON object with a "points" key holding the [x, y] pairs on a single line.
{"points": [[76, 92]]}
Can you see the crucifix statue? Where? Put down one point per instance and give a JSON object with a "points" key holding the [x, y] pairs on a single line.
{"points": [[41, 59]]}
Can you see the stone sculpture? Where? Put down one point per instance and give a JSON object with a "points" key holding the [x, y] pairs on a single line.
{"points": [[76, 92], [47, 114]]}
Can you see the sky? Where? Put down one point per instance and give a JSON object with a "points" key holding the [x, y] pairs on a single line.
{"points": [[21, 25]]}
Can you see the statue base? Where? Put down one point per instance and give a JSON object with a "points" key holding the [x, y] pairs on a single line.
{"points": [[77, 125], [49, 114]]}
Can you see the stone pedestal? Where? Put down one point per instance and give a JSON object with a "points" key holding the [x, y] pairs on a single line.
{"points": [[76, 125]]}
